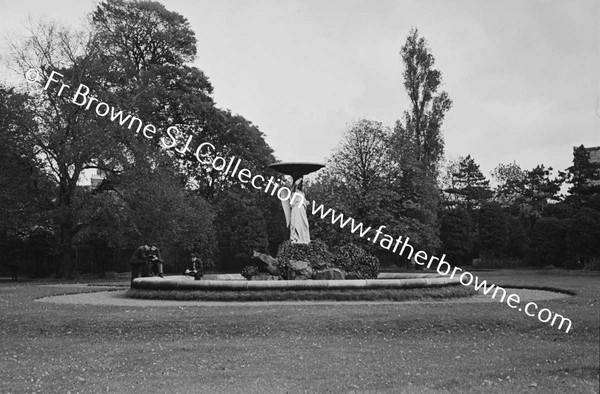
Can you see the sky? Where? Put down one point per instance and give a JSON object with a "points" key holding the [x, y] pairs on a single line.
{"points": [[523, 75]]}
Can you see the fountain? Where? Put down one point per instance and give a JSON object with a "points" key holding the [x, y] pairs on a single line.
{"points": [[297, 275]]}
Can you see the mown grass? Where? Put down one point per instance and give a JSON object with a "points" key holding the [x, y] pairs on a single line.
{"points": [[433, 347], [421, 294]]}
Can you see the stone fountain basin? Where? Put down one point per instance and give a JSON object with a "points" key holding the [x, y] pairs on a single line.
{"points": [[384, 281]]}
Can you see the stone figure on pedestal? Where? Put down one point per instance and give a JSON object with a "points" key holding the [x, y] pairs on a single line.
{"points": [[295, 207], [295, 214]]}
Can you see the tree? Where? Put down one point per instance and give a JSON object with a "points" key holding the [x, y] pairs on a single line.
{"points": [[533, 192], [547, 244], [358, 181], [25, 190], [457, 233], [422, 123], [67, 139], [470, 187], [493, 231], [418, 144], [362, 160], [364, 170], [242, 228], [144, 71], [152, 46], [507, 177]]}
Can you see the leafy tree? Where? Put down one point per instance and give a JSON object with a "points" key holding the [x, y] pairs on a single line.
{"points": [[144, 71], [164, 89], [364, 171], [328, 190], [422, 123], [504, 173], [242, 227], [507, 177], [457, 233], [446, 179], [25, 190], [362, 161], [547, 245], [361, 181], [67, 139], [493, 231]]}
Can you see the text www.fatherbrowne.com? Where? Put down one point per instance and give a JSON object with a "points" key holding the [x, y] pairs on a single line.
{"points": [[204, 153], [405, 249]]}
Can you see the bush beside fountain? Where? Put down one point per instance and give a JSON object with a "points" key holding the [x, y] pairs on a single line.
{"points": [[296, 261]]}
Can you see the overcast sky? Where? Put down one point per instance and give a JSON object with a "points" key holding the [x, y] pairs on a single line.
{"points": [[523, 74]]}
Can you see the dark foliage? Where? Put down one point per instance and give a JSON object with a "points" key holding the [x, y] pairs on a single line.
{"points": [[249, 271], [547, 246], [358, 263], [458, 234], [316, 253]]}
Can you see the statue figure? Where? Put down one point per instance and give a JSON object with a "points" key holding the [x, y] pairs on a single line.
{"points": [[295, 214], [295, 207]]}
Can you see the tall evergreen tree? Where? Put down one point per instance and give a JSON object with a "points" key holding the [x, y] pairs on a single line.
{"points": [[470, 187]]}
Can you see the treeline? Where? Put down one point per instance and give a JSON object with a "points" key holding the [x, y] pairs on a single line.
{"points": [[136, 57], [529, 218], [525, 220]]}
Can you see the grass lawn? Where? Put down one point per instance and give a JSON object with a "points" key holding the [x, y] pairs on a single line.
{"points": [[404, 347]]}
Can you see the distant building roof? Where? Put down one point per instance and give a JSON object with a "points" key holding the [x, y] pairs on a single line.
{"points": [[594, 152]]}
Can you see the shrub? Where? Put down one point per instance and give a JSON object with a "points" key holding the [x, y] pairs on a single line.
{"points": [[249, 271], [358, 263], [592, 265], [547, 245], [315, 253], [495, 262]]}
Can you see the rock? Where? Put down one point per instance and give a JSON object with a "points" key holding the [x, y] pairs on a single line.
{"points": [[270, 262], [265, 277], [321, 265], [353, 275], [329, 274], [299, 270]]}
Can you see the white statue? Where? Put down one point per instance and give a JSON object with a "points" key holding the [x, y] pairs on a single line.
{"points": [[295, 214]]}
